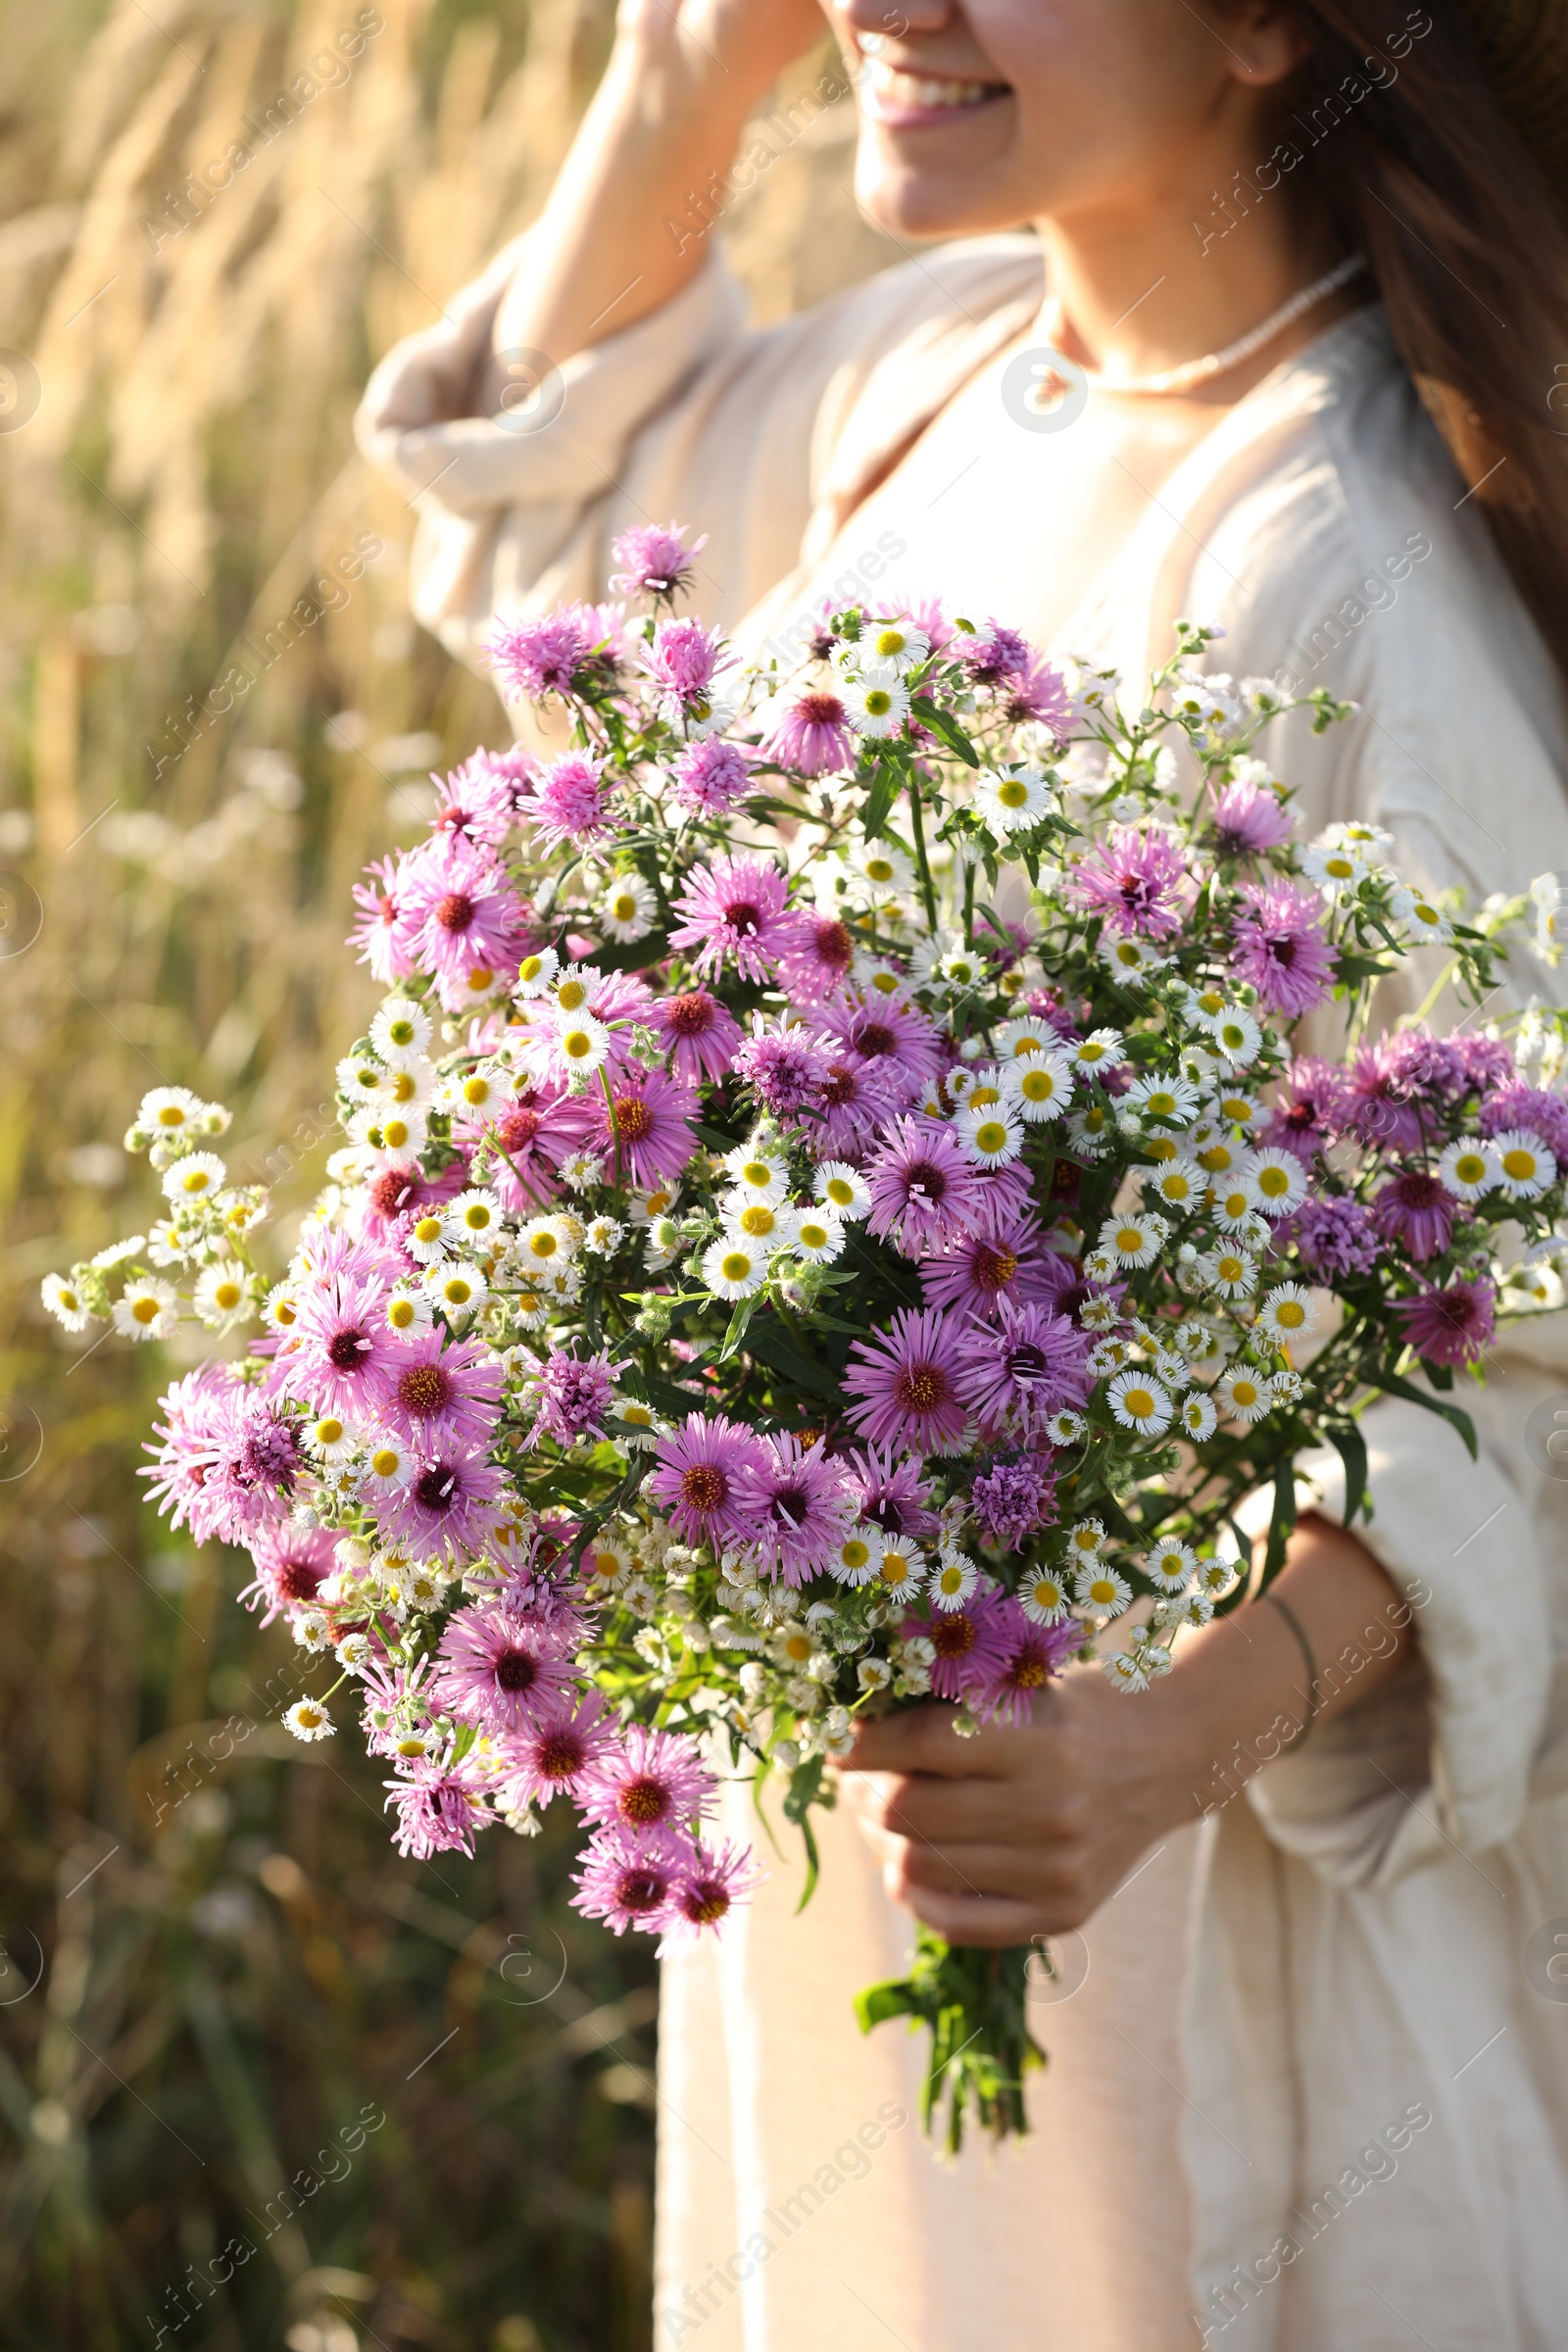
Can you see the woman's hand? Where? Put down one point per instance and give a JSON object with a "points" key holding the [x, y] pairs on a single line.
{"points": [[1022, 1833]]}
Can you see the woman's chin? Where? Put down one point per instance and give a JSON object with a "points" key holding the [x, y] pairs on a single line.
{"points": [[909, 197]]}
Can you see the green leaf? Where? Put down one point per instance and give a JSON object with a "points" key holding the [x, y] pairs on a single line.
{"points": [[813, 1866], [1281, 1520], [805, 1781], [945, 729], [895, 1997], [1347, 1442], [744, 1310], [1395, 1387], [885, 781]]}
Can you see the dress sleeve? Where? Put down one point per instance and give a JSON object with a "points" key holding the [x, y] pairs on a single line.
{"points": [[742, 434]]}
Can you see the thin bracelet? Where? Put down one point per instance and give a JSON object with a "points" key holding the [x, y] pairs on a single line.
{"points": [[1294, 1623]]}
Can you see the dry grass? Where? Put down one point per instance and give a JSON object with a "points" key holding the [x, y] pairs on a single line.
{"points": [[247, 1967]]}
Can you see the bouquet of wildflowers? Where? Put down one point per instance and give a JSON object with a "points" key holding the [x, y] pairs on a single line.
{"points": [[829, 1218]]}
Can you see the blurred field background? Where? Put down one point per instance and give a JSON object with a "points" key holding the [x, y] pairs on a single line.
{"points": [[214, 1972]]}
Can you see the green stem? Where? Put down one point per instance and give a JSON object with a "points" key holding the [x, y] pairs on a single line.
{"points": [[918, 828]]}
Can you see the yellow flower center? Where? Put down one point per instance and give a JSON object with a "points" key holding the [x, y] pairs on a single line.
{"points": [[1138, 1402], [839, 1192], [758, 1220], [735, 1265], [1013, 793], [1520, 1165], [570, 993], [854, 1554], [1290, 1314]]}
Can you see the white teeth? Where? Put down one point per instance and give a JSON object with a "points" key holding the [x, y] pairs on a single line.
{"points": [[914, 89]]}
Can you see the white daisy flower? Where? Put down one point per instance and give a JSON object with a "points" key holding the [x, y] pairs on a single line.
{"points": [[1012, 799], [952, 1580], [1170, 1565], [1289, 1388], [627, 909], [578, 1042], [353, 1653], [1086, 1542], [877, 708], [280, 1308], [1129, 957], [401, 1031], [1179, 1185], [580, 1171], [195, 1177], [771, 1224], [960, 969], [1231, 1205], [1140, 1402], [63, 1304], [1101, 1314], [1126, 1670], [1539, 1286], [427, 1239], [536, 973], [455, 1289], [1134, 1240], [1525, 1166], [483, 1088], [171, 1110], [734, 1268], [640, 1425], [1090, 1131], [1213, 1150], [1102, 1591], [818, 1236], [1172, 1368], [887, 649], [1101, 1050], [1109, 1356], [1231, 1272], [606, 1566], [1468, 1169], [665, 1243], [118, 1252], [900, 1570], [546, 1243], [1029, 1034], [603, 1236], [1418, 919], [1237, 1035], [1042, 1596], [473, 1217], [881, 872], [857, 1556], [1246, 1396], [330, 1440], [396, 1133], [1237, 1110], [147, 1310], [1040, 1085], [1276, 1181], [308, 1719], [1197, 1416], [223, 1295], [388, 1464], [841, 1189], [1287, 1312], [1170, 1100], [1065, 1428], [759, 1175], [989, 1134]]}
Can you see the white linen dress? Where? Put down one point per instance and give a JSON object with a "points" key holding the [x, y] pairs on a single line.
{"points": [[1313, 2090]]}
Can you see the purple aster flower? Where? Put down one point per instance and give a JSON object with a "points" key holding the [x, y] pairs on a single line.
{"points": [[653, 562], [1333, 1237], [684, 661], [452, 1500], [441, 1395], [971, 1641], [336, 1354], [924, 1190], [503, 1670], [981, 1271], [569, 804], [378, 937], [907, 1383], [459, 914], [228, 1461], [713, 1881], [1309, 1109], [1417, 1211], [397, 1196], [1036, 1654], [893, 1032], [644, 1129], [1037, 692], [737, 912], [530, 1135], [1010, 1500], [1424, 1069], [1281, 950], [574, 1394], [554, 1758], [799, 1508], [785, 1066], [1026, 1367], [439, 1807], [810, 733], [632, 1882], [1376, 1105], [708, 778], [568, 653], [1134, 880], [1521, 1105], [479, 806], [1452, 1326], [1484, 1060], [397, 1694], [818, 964], [857, 1101], [702, 1478], [891, 1493], [994, 653], [292, 1564], [648, 1781], [1249, 820], [700, 1035]]}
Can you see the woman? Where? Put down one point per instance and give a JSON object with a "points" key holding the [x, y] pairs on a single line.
{"points": [[1310, 2074]]}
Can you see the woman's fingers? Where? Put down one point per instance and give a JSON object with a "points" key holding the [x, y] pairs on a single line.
{"points": [[974, 1919], [922, 1740]]}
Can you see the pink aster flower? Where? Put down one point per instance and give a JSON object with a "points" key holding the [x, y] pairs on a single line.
{"points": [[993, 654], [816, 966], [648, 1781], [397, 1196], [1134, 880], [632, 1882], [891, 1031], [478, 805], [708, 778], [906, 1384], [699, 1034], [809, 733], [889, 1490], [438, 1805], [569, 651], [1037, 692], [292, 1564], [645, 1129], [227, 1460], [1016, 1374], [713, 1881], [653, 562], [530, 1136], [1010, 1500], [1416, 1211], [459, 914], [1035, 1656], [451, 1499], [1376, 1104], [924, 1190], [574, 1394], [1249, 820], [799, 1508], [857, 1101], [981, 1271], [378, 937], [971, 1643], [1309, 1109], [785, 1066], [336, 1353], [502, 1670], [1453, 1326], [1281, 947], [737, 912], [1333, 1237], [702, 1478], [569, 804], [685, 661], [440, 1395], [554, 1758]]}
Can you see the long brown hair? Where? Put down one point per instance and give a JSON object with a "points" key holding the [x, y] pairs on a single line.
{"points": [[1406, 146]]}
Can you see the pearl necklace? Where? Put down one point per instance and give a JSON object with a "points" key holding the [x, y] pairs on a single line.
{"points": [[1172, 381]]}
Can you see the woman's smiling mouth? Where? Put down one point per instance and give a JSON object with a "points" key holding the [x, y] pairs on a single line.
{"points": [[902, 101]]}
